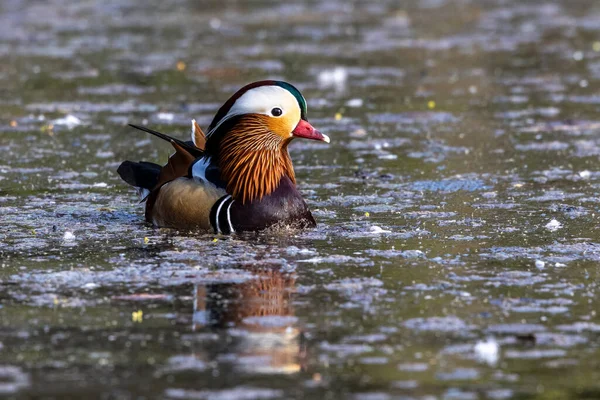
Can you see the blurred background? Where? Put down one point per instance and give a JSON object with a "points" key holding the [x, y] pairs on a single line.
{"points": [[457, 250]]}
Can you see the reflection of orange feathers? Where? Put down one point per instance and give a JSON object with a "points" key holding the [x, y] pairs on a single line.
{"points": [[268, 294]]}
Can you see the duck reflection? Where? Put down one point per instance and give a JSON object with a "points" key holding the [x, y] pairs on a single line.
{"points": [[259, 318]]}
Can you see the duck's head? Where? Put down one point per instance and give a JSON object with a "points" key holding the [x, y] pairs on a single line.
{"points": [[250, 133], [276, 105]]}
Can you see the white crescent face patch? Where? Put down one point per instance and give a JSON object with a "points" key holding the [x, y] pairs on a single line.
{"points": [[262, 100]]}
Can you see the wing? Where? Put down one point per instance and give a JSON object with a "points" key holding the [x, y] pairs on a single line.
{"points": [[185, 154], [189, 147], [184, 202]]}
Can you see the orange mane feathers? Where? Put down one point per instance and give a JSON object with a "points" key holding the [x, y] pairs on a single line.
{"points": [[253, 159]]}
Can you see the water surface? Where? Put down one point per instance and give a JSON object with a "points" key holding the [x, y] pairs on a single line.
{"points": [[457, 252]]}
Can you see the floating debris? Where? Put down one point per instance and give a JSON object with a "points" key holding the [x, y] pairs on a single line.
{"points": [[165, 116], [69, 121], [137, 316], [553, 225], [585, 174], [355, 103], [333, 78], [487, 351], [378, 230], [69, 236]]}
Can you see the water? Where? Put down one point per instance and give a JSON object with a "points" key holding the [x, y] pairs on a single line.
{"points": [[457, 250]]}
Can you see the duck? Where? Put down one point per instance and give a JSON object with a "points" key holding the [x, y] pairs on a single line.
{"points": [[238, 176]]}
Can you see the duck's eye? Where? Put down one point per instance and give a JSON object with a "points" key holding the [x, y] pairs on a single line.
{"points": [[276, 112]]}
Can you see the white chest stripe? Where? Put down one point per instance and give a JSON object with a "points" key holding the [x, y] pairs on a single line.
{"points": [[231, 230], [218, 211]]}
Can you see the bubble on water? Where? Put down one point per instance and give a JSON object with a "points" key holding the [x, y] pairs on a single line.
{"points": [[553, 225], [69, 121], [90, 285], [215, 23], [487, 351], [333, 77], [354, 102], [376, 230], [165, 116], [585, 174], [69, 236]]}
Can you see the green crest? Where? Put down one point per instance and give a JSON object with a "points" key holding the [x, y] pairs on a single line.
{"points": [[301, 100]]}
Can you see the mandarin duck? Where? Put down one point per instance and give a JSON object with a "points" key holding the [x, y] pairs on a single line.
{"points": [[239, 176]]}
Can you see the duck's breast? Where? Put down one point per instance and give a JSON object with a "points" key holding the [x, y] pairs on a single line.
{"points": [[284, 206]]}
